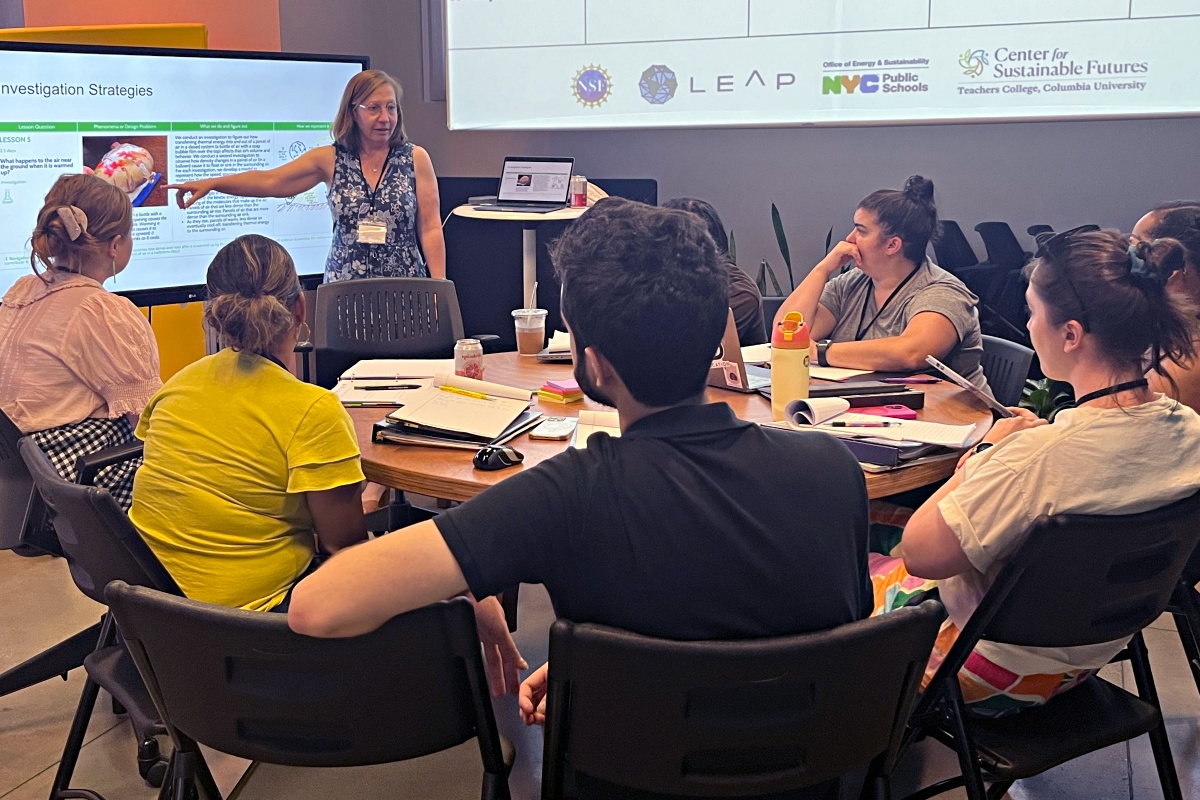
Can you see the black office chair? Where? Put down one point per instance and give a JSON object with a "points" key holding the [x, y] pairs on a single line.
{"points": [[1185, 608], [243, 683], [1001, 244], [1037, 230], [1122, 573], [100, 545], [951, 248], [384, 318], [25, 528], [731, 718], [1006, 367]]}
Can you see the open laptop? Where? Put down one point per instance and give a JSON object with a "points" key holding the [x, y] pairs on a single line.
{"points": [[532, 185], [729, 370]]}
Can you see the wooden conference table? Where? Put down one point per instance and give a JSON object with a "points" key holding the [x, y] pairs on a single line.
{"points": [[448, 474]]}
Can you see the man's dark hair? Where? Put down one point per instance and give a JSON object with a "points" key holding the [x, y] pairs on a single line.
{"points": [[643, 285], [706, 212]]}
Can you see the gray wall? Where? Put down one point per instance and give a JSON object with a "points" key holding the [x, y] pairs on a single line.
{"points": [[1058, 173]]}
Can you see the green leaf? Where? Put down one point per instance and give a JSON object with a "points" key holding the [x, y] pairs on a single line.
{"points": [[781, 239], [829, 239], [732, 247], [774, 283]]}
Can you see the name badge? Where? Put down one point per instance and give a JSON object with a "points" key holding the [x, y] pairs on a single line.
{"points": [[372, 231]]}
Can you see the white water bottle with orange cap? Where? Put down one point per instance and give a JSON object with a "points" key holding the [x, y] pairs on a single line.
{"points": [[789, 362]]}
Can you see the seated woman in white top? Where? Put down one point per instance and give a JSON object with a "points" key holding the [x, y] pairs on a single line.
{"points": [[78, 364], [894, 306], [1100, 318]]}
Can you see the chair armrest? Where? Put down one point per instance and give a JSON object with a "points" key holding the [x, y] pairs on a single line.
{"points": [[87, 466], [488, 340]]}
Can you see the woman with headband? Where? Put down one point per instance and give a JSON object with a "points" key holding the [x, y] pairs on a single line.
{"points": [[1100, 318], [78, 364]]}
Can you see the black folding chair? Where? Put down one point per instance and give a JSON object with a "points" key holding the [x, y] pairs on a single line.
{"points": [[731, 718], [243, 683], [100, 545], [1076, 580], [1185, 608]]}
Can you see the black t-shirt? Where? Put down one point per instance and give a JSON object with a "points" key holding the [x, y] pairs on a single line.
{"points": [[692, 525]]}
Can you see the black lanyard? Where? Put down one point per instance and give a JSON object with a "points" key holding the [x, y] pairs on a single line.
{"points": [[1105, 392], [860, 330], [387, 162], [274, 360]]}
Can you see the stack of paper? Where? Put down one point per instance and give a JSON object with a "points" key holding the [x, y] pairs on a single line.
{"points": [[388, 369], [594, 422], [561, 391], [462, 408]]}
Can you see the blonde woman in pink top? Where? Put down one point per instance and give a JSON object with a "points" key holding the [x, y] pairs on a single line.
{"points": [[77, 364]]}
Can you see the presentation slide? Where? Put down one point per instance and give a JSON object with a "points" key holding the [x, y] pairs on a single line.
{"points": [[563, 64], [146, 120]]}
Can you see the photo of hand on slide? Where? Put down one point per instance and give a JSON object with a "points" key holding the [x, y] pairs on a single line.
{"points": [[136, 166]]}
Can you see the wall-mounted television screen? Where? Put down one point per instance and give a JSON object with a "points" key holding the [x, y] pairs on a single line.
{"points": [[149, 117]]}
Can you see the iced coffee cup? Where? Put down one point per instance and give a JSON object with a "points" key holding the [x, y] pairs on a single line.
{"points": [[531, 330]]}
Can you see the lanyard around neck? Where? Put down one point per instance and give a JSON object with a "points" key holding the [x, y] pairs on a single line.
{"points": [[860, 331], [387, 163]]}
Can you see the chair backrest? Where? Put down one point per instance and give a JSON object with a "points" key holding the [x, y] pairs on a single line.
{"points": [[1001, 244], [383, 318], [731, 718], [952, 249], [1037, 230], [244, 683], [21, 507], [97, 538], [1081, 579], [1006, 366]]}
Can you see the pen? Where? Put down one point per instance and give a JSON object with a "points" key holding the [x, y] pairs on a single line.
{"points": [[382, 388], [456, 390], [913, 379], [881, 424]]}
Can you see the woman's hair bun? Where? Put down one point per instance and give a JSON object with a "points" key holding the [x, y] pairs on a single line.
{"points": [[1159, 259], [919, 188]]}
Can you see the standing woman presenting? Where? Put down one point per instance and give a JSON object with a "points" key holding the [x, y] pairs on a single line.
{"points": [[382, 190]]}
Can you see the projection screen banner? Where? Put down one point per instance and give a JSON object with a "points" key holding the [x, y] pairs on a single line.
{"points": [[561, 64]]}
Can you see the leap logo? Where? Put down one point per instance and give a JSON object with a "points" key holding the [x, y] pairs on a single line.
{"points": [[863, 84]]}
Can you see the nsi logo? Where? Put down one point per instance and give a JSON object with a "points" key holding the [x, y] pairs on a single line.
{"points": [[863, 84]]}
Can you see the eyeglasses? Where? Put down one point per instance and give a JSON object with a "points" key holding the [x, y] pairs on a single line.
{"points": [[374, 108], [1052, 247]]}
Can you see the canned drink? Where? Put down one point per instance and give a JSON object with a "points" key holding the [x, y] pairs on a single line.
{"points": [[578, 191], [468, 359]]}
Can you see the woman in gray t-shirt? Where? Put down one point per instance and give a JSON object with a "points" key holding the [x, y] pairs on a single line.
{"points": [[895, 306]]}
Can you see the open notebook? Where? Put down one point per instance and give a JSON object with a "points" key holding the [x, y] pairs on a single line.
{"points": [[833, 415], [463, 407], [594, 422]]}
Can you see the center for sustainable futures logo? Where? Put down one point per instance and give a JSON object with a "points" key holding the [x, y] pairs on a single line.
{"points": [[591, 86], [658, 84], [973, 62]]}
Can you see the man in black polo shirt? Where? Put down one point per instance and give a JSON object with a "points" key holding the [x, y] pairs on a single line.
{"points": [[692, 525]]}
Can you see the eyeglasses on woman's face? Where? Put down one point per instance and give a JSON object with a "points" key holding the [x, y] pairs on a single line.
{"points": [[375, 109]]}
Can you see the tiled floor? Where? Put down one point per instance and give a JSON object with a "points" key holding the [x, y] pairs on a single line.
{"points": [[40, 606]]}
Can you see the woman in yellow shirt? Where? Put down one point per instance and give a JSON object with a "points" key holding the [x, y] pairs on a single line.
{"points": [[246, 467]]}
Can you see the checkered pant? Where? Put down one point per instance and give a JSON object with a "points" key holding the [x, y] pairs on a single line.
{"points": [[66, 443]]}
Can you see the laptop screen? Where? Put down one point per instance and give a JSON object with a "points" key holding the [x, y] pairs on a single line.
{"points": [[535, 180]]}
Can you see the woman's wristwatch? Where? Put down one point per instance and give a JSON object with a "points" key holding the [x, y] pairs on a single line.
{"points": [[822, 346], [979, 448]]}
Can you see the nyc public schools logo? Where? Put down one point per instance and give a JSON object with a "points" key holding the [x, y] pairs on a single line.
{"points": [[872, 83], [658, 84], [973, 62], [591, 86]]}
